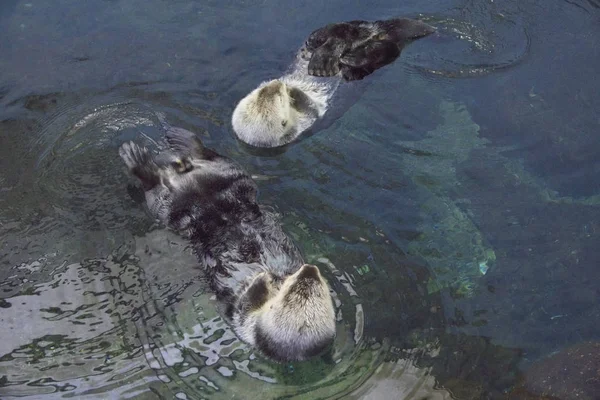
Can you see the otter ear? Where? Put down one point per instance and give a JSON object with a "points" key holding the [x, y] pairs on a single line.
{"points": [[184, 142]]}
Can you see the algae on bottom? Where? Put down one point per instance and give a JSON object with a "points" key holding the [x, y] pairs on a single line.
{"points": [[450, 241]]}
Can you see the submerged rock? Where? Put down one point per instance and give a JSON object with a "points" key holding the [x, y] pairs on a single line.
{"points": [[450, 240], [573, 373]]}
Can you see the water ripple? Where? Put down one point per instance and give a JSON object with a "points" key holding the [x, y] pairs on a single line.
{"points": [[462, 48]]}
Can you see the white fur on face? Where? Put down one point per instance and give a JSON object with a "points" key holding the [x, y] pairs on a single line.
{"points": [[293, 324], [265, 116], [261, 126], [296, 323], [313, 313]]}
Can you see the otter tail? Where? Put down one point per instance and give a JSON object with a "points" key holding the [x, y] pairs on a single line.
{"points": [[141, 164]]}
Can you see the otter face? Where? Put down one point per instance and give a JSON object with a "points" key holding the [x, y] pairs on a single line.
{"points": [[298, 322], [266, 116]]}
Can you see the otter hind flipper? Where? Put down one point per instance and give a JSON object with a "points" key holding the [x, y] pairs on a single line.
{"points": [[184, 142], [403, 30], [384, 47], [317, 38], [344, 31], [372, 53], [329, 43], [365, 59], [140, 163]]}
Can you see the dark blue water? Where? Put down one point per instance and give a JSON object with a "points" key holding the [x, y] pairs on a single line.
{"points": [[455, 208]]}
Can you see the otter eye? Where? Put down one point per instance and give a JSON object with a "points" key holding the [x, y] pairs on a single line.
{"points": [[179, 165], [283, 123]]}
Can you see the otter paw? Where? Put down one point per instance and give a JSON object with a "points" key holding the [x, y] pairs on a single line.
{"points": [[133, 155], [305, 54], [323, 65]]}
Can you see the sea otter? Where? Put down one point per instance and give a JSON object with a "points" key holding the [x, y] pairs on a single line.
{"points": [[272, 299], [280, 110]]}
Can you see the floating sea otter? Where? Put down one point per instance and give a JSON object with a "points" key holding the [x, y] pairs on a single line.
{"points": [[272, 299], [278, 111]]}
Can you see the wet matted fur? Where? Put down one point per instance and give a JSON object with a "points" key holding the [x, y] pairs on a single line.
{"points": [[272, 299]]}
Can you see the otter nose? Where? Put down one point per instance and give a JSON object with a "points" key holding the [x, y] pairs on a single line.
{"points": [[309, 272]]}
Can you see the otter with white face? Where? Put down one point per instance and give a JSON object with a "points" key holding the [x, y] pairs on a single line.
{"points": [[280, 110], [272, 299]]}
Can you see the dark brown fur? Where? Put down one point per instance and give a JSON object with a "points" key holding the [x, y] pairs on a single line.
{"points": [[358, 48]]}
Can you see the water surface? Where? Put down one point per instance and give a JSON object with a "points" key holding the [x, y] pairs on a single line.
{"points": [[454, 208]]}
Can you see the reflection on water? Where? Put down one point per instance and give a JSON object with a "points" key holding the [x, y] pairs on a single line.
{"points": [[454, 218], [69, 333], [120, 328]]}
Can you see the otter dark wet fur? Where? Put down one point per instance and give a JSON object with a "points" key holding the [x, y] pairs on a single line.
{"points": [[272, 300], [358, 48]]}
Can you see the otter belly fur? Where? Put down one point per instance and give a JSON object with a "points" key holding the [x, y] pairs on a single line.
{"points": [[278, 111], [272, 299]]}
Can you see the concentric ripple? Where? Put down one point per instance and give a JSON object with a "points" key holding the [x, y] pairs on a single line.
{"points": [[196, 354], [466, 49], [139, 323], [79, 169]]}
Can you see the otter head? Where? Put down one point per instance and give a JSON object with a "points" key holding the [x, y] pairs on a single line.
{"points": [[265, 117], [298, 322]]}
